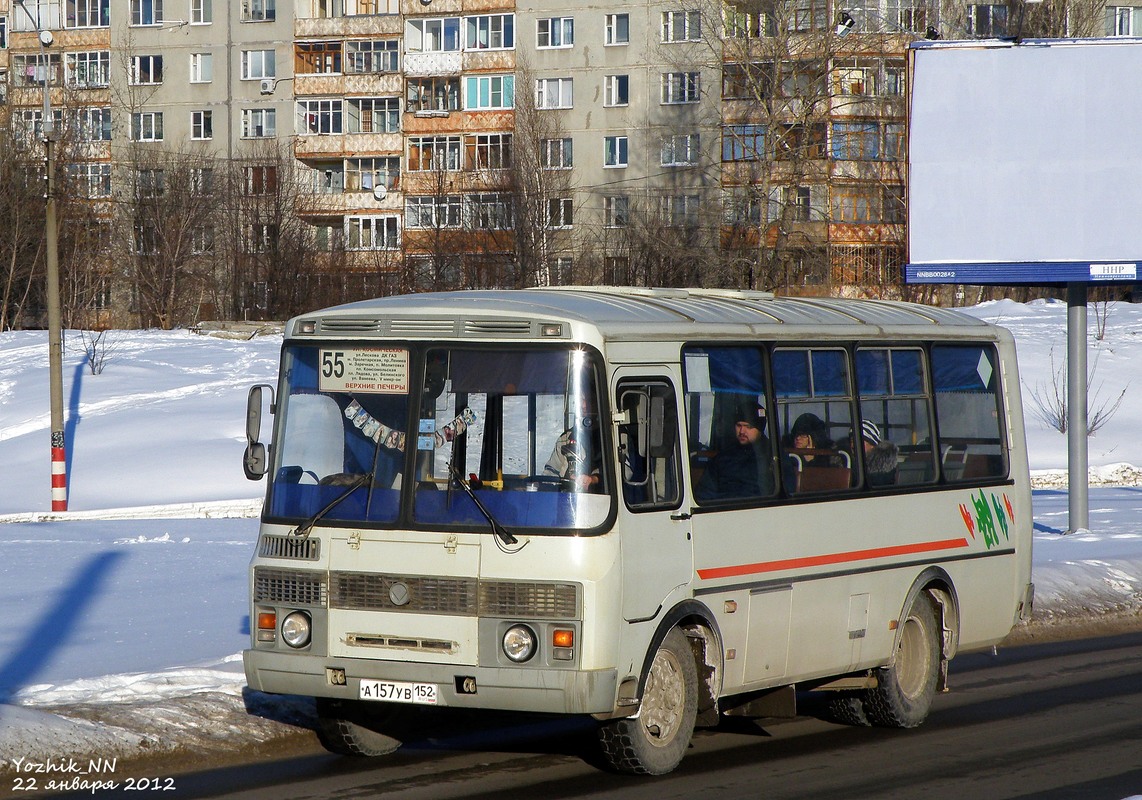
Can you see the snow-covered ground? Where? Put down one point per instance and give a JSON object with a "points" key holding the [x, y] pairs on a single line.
{"points": [[125, 617]]}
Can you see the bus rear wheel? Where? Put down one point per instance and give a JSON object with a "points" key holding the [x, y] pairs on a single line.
{"points": [[654, 741], [905, 689], [350, 729]]}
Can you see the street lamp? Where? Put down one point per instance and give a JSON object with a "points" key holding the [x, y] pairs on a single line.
{"points": [[51, 249]]}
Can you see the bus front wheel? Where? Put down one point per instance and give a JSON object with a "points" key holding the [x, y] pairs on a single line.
{"points": [[654, 741], [905, 689], [350, 729]]}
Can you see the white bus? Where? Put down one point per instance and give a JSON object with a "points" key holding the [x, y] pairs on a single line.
{"points": [[649, 506]]}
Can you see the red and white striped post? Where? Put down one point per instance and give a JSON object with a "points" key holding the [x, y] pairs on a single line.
{"points": [[59, 472]]}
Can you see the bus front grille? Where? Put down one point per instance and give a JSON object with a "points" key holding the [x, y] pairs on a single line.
{"points": [[456, 596], [290, 587], [305, 549]]}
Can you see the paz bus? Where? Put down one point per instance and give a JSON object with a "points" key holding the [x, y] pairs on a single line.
{"points": [[500, 500]]}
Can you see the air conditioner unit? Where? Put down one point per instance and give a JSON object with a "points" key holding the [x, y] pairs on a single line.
{"points": [[267, 85]]}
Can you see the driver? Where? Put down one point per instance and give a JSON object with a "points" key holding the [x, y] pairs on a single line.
{"points": [[577, 455]]}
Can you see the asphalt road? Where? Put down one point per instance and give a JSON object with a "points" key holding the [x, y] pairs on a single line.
{"points": [[1047, 721]]}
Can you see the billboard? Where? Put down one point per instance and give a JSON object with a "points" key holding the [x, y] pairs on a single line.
{"points": [[1024, 161]]}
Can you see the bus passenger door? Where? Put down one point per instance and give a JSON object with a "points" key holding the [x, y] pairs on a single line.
{"points": [[656, 551]]}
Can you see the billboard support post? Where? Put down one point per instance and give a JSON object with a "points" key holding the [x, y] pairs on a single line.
{"points": [[1077, 493]]}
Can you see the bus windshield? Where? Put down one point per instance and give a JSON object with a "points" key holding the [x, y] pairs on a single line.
{"points": [[442, 438]]}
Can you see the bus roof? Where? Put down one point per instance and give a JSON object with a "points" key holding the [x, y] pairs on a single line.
{"points": [[621, 313]]}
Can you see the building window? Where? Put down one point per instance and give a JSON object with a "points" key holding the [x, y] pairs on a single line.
{"points": [[681, 87], [259, 123], [490, 32], [616, 211], [1123, 21], [93, 124], [372, 233], [372, 55], [92, 179], [616, 29], [91, 70], [488, 151], [432, 211], [741, 208], [262, 237], [31, 70], [554, 93], [146, 12], [201, 67], [3, 33], [908, 15], [317, 58], [365, 174], [433, 94], [147, 126], [201, 12], [150, 183], [88, 14], [488, 212], [146, 70], [258, 64], [560, 212], [555, 32], [320, 117], [201, 125], [259, 181], [856, 141], [743, 143], [615, 151], [987, 20], [680, 210], [428, 153], [556, 153], [893, 205], [202, 182], [432, 35], [484, 92], [373, 115], [202, 240], [259, 10], [680, 150], [748, 25], [855, 204], [616, 90], [681, 26]]}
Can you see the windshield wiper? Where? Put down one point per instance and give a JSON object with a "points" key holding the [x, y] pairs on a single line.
{"points": [[498, 529], [306, 527]]}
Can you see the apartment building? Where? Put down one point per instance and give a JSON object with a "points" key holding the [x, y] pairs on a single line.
{"points": [[431, 144]]}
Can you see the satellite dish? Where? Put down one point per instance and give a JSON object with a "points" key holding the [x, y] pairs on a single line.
{"points": [[380, 191]]}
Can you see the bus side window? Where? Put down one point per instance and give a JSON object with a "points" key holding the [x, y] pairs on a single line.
{"points": [[649, 445], [896, 419], [966, 380]]}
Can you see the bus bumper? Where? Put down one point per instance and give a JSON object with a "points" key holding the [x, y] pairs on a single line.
{"points": [[523, 689]]}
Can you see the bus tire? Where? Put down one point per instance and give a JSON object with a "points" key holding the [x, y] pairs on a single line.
{"points": [[654, 741], [905, 689], [346, 728], [847, 708]]}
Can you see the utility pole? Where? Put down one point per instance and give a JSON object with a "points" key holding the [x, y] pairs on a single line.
{"points": [[51, 249]]}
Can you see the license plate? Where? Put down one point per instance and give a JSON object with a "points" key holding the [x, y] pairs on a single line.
{"points": [[399, 692]]}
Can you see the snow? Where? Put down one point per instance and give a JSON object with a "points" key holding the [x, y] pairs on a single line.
{"points": [[126, 616]]}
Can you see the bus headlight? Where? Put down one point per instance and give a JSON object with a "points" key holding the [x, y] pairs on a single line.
{"points": [[519, 643], [295, 629]]}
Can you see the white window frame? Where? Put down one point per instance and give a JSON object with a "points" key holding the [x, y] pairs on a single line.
{"points": [[372, 232], [88, 10], [1123, 21], [202, 125], [201, 12], [146, 13], [150, 66], [557, 153], [681, 150], [447, 145], [555, 33], [93, 178], [497, 32], [89, 69], [616, 152], [614, 34], [560, 213], [259, 10], [254, 119], [433, 35], [488, 211], [371, 56], [554, 93], [147, 126], [681, 26], [93, 124], [201, 67], [616, 91], [491, 92], [681, 210], [616, 211], [362, 114], [320, 116], [259, 64], [426, 212], [679, 88]]}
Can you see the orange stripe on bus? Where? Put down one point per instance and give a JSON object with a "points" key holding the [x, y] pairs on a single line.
{"points": [[830, 558]]}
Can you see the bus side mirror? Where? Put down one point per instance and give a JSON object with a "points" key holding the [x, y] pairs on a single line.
{"points": [[254, 459]]}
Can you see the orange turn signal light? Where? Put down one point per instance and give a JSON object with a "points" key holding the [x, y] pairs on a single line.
{"points": [[267, 620], [561, 637]]}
